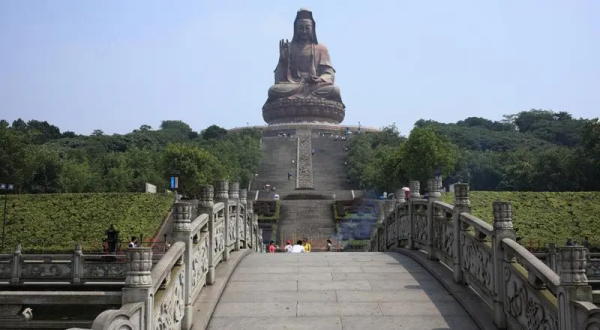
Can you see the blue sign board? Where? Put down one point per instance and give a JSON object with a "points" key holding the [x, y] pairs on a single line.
{"points": [[174, 182]]}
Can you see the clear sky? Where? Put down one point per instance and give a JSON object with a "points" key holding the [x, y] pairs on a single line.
{"points": [[115, 65]]}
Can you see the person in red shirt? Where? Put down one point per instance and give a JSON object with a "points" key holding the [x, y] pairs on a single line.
{"points": [[272, 247]]}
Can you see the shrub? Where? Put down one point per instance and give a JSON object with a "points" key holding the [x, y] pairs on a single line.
{"points": [[550, 217], [53, 223]]}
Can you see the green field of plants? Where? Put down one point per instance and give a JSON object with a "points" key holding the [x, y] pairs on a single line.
{"points": [[54, 223], [544, 216]]}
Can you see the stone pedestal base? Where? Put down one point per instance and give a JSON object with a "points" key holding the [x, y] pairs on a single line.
{"points": [[303, 111]]}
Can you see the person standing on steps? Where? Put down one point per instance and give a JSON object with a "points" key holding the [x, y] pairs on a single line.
{"points": [[328, 249]]}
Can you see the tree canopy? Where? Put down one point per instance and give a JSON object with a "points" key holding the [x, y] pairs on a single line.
{"points": [[536, 150], [38, 158]]}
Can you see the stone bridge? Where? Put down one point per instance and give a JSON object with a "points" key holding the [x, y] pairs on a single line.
{"points": [[432, 266]]}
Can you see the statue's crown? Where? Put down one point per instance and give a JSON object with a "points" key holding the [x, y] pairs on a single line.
{"points": [[304, 13]]}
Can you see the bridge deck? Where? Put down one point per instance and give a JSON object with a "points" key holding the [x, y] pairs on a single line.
{"points": [[329, 291]]}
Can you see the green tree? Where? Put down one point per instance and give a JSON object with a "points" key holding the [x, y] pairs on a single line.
{"points": [[424, 153], [195, 166]]}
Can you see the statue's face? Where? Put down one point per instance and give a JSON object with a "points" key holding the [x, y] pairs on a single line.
{"points": [[304, 29]]}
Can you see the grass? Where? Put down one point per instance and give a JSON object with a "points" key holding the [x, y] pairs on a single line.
{"points": [[54, 223], [544, 216]]}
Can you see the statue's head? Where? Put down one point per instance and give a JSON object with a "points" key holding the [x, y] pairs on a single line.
{"points": [[304, 27]]}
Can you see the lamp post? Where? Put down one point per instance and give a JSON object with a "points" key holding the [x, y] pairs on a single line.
{"points": [[5, 187]]}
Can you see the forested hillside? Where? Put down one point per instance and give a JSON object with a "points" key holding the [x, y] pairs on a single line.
{"points": [[535, 150], [37, 157]]}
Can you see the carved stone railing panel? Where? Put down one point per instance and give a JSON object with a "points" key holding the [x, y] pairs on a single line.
{"points": [[241, 227], [528, 306], [593, 269], [200, 264], [169, 304], [49, 268], [231, 226], [443, 232], [403, 221], [5, 266], [381, 235], [420, 234], [218, 241], [104, 270], [391, 230], [478, 264]]}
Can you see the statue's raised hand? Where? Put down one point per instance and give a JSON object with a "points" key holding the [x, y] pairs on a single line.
{"points": [[284, 49]]}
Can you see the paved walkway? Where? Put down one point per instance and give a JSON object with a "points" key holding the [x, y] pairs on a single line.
{"points": [[336, 290]]}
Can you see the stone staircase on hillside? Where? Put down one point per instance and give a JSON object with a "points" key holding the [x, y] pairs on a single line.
{"points": [[329, 171], [276, 163], [318, 195], [307, 218]]}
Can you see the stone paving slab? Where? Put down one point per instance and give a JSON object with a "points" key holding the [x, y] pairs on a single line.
{"points": [[356, 290]]}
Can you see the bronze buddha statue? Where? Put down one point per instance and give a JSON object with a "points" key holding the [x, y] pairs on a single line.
{"points": [[304, 88]]}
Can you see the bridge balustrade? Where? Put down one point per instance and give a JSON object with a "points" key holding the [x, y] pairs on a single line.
{"points": [[161, 296], [520, 290]]}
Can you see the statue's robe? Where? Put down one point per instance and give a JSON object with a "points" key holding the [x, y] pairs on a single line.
{"points": [[305, 61]]}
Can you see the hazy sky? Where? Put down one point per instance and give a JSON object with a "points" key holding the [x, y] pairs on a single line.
{"points": [[115, 65]]}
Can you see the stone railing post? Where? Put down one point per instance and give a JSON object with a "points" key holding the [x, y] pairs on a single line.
{"points": [[462, 204], [181, 232], [205, 205], [242, 230], [400, 198], [551, 261], [572, 261], [433, 187], [503, 228], [77, 265], [138, 282], [222, 196], [15, 266], [415, 187], [261, 240], [382, 222], [234, 196], [249, 223], [255, 233]]}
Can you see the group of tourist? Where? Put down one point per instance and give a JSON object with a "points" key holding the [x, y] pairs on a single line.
{"points": [[300, 246]]}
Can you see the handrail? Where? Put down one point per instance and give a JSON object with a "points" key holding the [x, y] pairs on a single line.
{"points": [[542, 271], [166, 263], [515, 287], [477, 223]]}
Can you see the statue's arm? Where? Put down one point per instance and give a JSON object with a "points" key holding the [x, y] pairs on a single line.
{"points": [[327, 74], [280, 72], [325, 68]]}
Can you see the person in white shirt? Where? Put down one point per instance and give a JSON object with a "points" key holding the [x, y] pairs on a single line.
{"points": [[298, 248], [133, 243], [288, 247]]}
